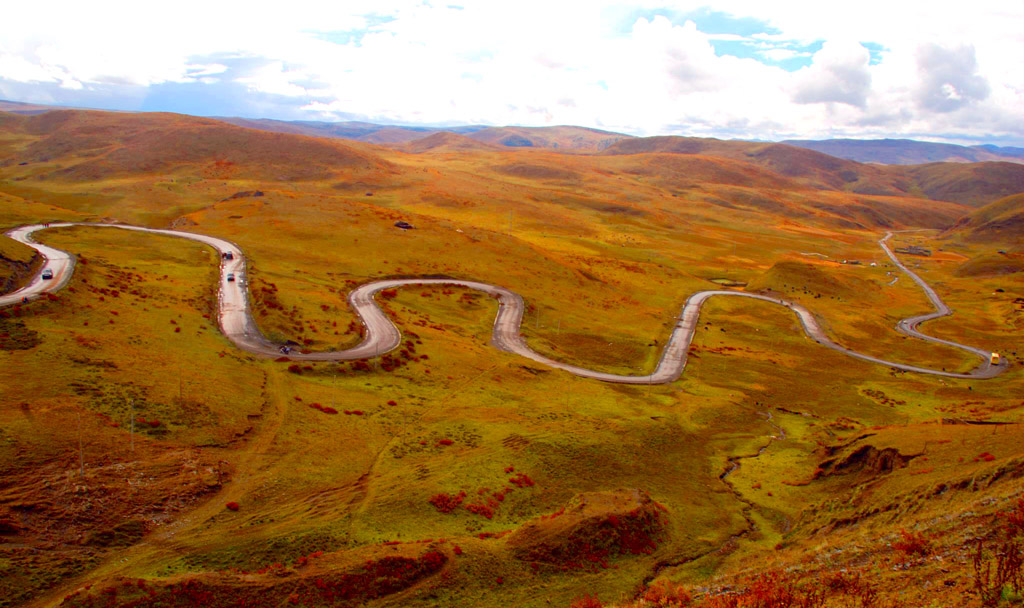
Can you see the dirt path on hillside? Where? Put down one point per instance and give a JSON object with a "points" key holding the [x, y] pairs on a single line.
{"points": [[236, 321]]}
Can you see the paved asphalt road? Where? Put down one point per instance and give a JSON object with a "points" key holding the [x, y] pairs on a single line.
{"points": [[237, 323]]}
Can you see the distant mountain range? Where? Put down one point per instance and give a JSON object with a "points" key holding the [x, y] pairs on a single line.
{"points": [[879, 151], [583, 139], [560, 138], [908, 151]]}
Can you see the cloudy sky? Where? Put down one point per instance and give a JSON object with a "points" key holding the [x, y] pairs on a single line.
{"points": [[753, 69]]}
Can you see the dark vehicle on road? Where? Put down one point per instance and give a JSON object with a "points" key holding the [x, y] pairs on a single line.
{"points": [[47, 274], [229, 255], [231, 277]]}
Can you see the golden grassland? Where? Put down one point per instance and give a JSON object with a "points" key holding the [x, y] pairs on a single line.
{"points": [[605, 258]]}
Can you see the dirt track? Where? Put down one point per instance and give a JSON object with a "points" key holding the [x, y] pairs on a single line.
{"points": [[237, 323]]}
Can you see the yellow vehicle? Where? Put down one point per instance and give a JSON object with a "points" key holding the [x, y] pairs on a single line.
{"points": [[995, 358]]}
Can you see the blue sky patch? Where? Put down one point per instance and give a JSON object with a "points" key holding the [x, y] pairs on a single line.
{"points": [[876, 51], [354, 36], [753, 45], [715, 22]]}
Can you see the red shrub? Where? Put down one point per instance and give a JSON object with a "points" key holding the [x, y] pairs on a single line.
{"points": [[457, 550], [445, 442], [911, 543], [586, 601], [481, 509], [522, 480], [1015, 518], [664, 593], [295, 368], [232, 506], [392, 402], [447, 503], [984, 456], [282, 359]]}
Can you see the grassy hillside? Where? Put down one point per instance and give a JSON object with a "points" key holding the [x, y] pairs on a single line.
{"points": [[105, 145], [17, 263], [445, 142], [456, 474], [972, 184], [1002, 220], [560, 138]]}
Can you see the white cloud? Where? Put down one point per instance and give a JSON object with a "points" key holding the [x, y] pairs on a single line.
{"points": [[523, 62], [839, 73], [778, 54], [949, 78]]}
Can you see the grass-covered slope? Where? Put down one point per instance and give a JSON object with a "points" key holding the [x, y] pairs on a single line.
{"points": [[449, 473]]}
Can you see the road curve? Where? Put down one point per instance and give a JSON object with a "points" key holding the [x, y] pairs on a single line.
{"points": [[237, 324]]}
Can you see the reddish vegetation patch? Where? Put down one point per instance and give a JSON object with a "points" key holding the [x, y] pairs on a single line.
{"points": [[232, 506], [522, 480], [150, 423], [481, 509], [591, 601], [445, 442], [447, 503], [323, 408], [911, 543]]}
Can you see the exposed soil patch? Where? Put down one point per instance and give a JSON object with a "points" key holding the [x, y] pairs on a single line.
{"points": [[591, 530], [14, 335], [867, 459], [305, 582]]}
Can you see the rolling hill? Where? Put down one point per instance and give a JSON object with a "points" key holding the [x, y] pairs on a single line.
{"points": [[100, 145], [1001, 221], [553, 138], [971, 184], [974, 184], [444, 141]]}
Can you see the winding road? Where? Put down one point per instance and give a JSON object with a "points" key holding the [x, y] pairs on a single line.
{"points": [[237, 324]]}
